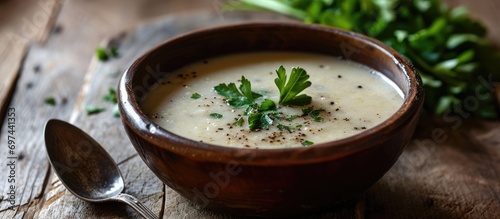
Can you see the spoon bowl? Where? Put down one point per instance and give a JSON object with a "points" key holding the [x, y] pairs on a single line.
{"points": [[85, 168]]}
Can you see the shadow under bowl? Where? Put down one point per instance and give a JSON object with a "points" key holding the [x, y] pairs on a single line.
{"points": [[269, 182]]}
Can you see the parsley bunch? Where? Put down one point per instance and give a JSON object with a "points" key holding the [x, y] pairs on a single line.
{"points": [[262, 115], [448, 48]]}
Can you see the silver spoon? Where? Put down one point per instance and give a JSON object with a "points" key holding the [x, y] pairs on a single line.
{"points": [[85, 168]]}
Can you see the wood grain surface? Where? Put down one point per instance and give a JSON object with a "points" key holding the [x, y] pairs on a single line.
{"points": [[21, 23], [451, 169]]}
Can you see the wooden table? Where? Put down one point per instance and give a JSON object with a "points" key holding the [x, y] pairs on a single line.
{"points": [[453, 175]]}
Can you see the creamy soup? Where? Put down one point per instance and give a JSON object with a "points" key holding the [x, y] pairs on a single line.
{"points": [[350, 98]]}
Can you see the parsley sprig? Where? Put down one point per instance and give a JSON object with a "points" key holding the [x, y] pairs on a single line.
{"points": [[296, 83], [264, 114], [238, 98]]}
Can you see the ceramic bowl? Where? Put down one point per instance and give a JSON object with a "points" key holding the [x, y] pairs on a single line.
{"points": [[269, 182]]}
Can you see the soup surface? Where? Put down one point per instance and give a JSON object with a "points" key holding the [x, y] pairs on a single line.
{"points": [[347, 98]]}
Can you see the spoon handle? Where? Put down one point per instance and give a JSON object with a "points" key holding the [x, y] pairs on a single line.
{"points": [[135, 204]]}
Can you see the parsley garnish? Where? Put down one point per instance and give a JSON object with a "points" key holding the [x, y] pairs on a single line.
{"points": [[103, 54], [92, 109], [282, 127], [195, 96], [257, 121], [113, 51], [290, 89], [235, 98], [306, 143], [50, 101], [111, 96], [239, 122], [216, 115], [310, 111], [315, 115], [264, 114], [291, 118], [307, 110]]}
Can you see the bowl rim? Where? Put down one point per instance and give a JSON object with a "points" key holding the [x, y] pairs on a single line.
{"points": [[141, 125]]}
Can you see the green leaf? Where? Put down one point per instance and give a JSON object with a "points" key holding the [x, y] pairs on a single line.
{"points": [[282, 127], [111, 96], [50, 101], [239, 122], [457, 40], [306, 143], [315, 115], [291, 118], [102, 54], [257, 121], [445, 103], [233, 97], [307, 110], [195, 96], [114, 52], [290, 89], [216, 115], [276, 6], [93, 109], [337, 19], [267, 105], [246, 88]]}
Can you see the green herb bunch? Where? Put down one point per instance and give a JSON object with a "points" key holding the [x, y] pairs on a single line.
{"points": [[448, 48]]}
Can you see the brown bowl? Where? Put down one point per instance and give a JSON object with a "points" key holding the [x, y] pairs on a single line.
{"points": [[269, 182]]}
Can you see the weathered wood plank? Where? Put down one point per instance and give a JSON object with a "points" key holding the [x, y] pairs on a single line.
{"points": [[451, 170], [30, 21]]}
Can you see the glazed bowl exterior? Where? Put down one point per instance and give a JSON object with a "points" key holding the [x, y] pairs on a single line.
{"points": [[269, 182]]}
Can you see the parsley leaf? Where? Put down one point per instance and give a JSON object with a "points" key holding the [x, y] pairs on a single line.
{"points": [[291, 118], [235, 98], [282, 127], [310, 111], [239, 122], [307, 143], [315, 115], [195, 96], [50, 101], [111, 96], [102, 54], [257, 121], [216, 115], [307, 110], [92, 109], [113, 51], [267, 105], [290, 89]]}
